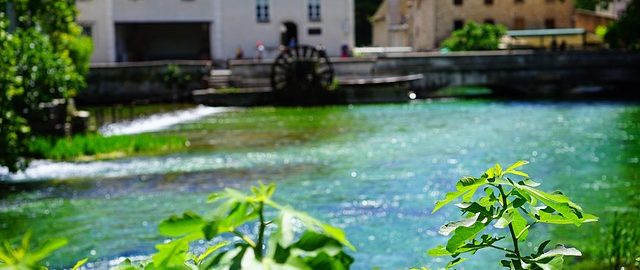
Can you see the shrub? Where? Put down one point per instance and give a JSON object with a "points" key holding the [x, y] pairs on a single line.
{"points": [[474, 37]]}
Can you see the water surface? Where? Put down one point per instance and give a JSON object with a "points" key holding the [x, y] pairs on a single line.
{"points": [[375, 171]]}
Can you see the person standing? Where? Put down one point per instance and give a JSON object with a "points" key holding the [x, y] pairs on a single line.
{"points": [[259, 50], [239, 52]]}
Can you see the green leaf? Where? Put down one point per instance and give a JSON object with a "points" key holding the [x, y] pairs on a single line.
{"points": [[504, 220], [310, 241], [559, 250], [285, 233], [176, 226], [439, 251], [541, 247], [48, 248], [516, 165], [230, 215], [210, 250], [451, 226], [520, 226], [545, 217], [558, 202], [531, 183], [462, 234], [80, 263], [214, 197], [518, 173], [455, 262], [556, 263], [314, 224], [465, 187], [171, 255]]}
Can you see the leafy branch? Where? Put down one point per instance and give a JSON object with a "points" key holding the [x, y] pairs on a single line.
{"points": [[508, 203], [318, 246]]}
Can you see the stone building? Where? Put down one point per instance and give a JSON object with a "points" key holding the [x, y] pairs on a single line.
{"points": [[424, 24], [142, 30]]}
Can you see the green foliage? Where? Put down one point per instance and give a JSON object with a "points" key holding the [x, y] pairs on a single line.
{"points": [[23, 257], [44, 58], [616, 245], [14, 130], [587, 4], [318, 246], [94, 145], [511, 200], [173, 76], [624, 32], [474, 37]]}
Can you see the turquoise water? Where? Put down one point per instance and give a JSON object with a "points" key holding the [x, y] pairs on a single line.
{"points": [[375, 171]]}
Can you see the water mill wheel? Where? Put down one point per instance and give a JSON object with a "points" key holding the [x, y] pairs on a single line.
{"points": [[302, 75]]}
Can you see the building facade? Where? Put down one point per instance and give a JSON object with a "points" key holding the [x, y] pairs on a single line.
{"points": [[144, 30], [426, 23]]}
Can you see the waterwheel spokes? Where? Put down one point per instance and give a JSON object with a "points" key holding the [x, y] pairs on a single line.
{"points": [[301, 69]]}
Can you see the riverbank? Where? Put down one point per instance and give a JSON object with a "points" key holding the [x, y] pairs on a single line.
{"points": [[93, 147]]}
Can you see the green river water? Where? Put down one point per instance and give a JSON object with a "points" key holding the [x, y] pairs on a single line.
{"points": [[375, 171]]}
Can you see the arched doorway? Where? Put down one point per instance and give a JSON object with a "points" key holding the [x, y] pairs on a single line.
{"points": [[289, 34]]}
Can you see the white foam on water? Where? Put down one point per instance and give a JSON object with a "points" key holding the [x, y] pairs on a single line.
{"points": [[44, 169], [40, 170], [160, 121]]}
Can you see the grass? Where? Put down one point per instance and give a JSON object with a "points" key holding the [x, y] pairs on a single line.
{"points": [[95, 146]]}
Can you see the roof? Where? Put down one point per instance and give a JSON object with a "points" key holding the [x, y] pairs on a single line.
{"points": [[546, 32]]}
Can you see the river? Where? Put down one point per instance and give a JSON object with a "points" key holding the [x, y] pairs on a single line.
{"points": [[373, 170]]}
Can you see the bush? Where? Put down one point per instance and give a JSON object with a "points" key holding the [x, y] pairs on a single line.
{"points": [[474, 37], [624, 32], [44, 58]]}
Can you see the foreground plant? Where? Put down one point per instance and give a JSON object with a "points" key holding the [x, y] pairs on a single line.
{"points": [[296, 240], [510, 204], [26, 257]]}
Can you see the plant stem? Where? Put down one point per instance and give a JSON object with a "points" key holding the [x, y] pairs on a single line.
{"points": [[501, 248], [263, 225], [245, 238], [511, 230]]}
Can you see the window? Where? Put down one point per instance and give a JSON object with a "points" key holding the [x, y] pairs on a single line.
{"points": [[458, 24], [549, 23], [488, 2], [87, 30], [262, 10], [518, 23], [314, 10], [457, 2], [489, 21], [314, 31]]}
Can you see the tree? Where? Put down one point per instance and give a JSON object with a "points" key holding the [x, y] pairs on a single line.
{"points": [[624, 32], [44, 57], [474, 36], [587, 4]]}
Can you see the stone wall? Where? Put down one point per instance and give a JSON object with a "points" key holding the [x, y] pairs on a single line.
{"points": [[519, 72], [508, 72], [250, 73], [125, 83]]}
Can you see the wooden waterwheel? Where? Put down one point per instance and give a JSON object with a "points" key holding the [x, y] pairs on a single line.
{"points": [[302, 75]]}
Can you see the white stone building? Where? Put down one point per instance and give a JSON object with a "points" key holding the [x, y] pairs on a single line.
{"points": [[141, 30]]}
